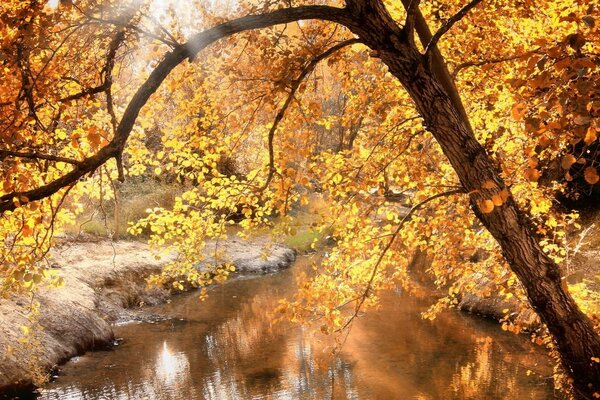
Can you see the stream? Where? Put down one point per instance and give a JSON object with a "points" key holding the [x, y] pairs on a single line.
{"points": [[227, 348]]}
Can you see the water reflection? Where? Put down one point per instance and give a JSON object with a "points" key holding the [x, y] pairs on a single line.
{"points": [[172, 368], [227, 348]]}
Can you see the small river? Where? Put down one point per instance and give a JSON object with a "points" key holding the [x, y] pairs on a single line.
{"points": [[227, 348]]}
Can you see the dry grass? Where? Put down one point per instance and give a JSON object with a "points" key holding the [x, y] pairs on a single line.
{"points": [[135, 197]]}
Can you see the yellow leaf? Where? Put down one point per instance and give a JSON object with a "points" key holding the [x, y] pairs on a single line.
{"points": [[61, 134], [532, 174], [567, 161], [591, 135], [497, 200], [518, 111], [489, 184], [504, 194]]}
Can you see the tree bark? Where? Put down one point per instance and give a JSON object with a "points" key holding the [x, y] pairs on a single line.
{"points": [[573, 332]]}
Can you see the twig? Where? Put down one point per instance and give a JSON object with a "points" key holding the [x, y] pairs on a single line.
{"points": [[449, 24], [389, 245], [498, 60]]}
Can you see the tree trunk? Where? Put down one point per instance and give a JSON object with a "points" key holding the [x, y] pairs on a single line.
{"points": [[573, 332]]}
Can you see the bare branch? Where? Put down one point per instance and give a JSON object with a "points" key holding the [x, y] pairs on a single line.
{"points": [[450, 23]]}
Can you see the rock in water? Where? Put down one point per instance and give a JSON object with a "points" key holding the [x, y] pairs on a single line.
{"points": [[256, 257]]}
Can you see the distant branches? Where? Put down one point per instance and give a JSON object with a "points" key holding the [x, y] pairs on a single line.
{"points": [[293, 89]]}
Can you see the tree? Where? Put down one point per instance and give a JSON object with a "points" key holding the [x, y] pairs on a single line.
{"points": [[58, 131]]}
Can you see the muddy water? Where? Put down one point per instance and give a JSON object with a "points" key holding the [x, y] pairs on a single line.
{"points": [[227, 348]]}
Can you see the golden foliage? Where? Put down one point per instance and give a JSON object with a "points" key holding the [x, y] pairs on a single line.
{"points": [[350, 134]]}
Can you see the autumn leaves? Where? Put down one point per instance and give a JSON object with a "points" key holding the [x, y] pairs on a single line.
{"points": [[491, 197], [559, 104]]}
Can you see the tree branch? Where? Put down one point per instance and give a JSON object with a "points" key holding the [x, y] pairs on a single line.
{"points": [[114, 45], [412, 9], [393, 237], [294, 88], [438, 63], [450, 23], [34, 155], [171, 60]]}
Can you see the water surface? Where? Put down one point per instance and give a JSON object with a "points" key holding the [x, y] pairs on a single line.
{"points": [[227, 348]]}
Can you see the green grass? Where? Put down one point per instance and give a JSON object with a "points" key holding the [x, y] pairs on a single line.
{"points": [[307, 241]]}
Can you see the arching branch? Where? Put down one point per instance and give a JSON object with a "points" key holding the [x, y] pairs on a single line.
{"points": [[171, 60]]}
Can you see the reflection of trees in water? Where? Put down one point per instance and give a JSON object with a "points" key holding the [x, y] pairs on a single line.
{"points": [[399, 355], [260, 358], [227, 348]]}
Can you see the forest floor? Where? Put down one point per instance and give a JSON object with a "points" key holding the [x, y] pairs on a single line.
{"points": [[105, 283]]}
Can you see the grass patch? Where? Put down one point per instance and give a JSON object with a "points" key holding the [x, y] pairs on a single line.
{"points": [[135, 196], [307, 241]]}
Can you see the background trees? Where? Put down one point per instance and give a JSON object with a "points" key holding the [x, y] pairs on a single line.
{"points": [[355, 97]]}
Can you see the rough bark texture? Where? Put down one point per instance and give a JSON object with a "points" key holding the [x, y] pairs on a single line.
{"points": [[573, 332]]}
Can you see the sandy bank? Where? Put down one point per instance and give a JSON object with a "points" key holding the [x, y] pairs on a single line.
{"points": [[104, 283]]}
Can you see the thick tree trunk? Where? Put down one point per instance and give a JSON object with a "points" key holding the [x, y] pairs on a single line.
{"points": [[573, 332], [576, 340]]}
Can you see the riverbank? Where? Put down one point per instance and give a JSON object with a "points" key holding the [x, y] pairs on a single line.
{"points": [[105, 283], [580, 270]]}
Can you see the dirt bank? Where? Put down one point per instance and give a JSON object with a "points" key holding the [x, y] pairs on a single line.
{"points": [[104, 283]]}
